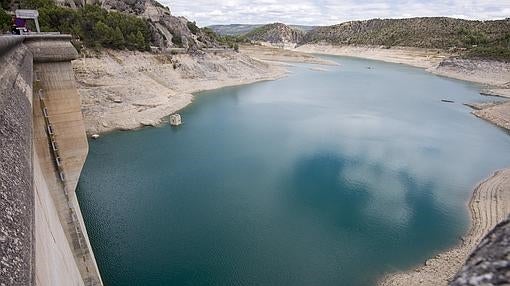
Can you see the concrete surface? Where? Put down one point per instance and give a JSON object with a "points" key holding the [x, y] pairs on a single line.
{"points": [[42, 242], [16, 196]]}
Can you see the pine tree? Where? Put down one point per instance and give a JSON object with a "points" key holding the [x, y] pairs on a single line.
{"points": [[131, 41], [140, 41], [103, 35], [118, 41]]}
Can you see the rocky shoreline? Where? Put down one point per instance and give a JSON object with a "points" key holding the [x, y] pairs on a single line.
{"points": [[489, 205], [122, 90]]}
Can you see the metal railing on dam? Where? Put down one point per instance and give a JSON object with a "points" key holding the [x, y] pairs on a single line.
{"points": [[43, 146]]}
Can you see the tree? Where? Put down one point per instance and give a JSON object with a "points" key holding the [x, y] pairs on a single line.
{"points": [[5, 21], [103, 35], [118, 39], [131, 41], [192, 26], [5, 4], [140, 41], [90, 25], [176, 39]]}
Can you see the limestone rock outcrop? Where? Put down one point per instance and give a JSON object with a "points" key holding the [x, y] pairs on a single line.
{"points": [[167, 31], [489, 264]]}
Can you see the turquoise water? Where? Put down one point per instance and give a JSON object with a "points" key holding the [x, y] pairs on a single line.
{"points": [[320, 178]]}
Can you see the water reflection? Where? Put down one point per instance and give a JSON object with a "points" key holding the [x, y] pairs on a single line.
{"points": [[391, 206], [326, 178]]}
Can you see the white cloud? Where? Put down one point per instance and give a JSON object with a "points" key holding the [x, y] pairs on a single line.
{"points": [[327, 12]]}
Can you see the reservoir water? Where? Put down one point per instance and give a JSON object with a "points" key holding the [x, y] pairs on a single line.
{"points": [[321, 178]]}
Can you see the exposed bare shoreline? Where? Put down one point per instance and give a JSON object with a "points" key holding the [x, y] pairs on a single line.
{"points": [[123, 90], [489, 205], [486, 72]]}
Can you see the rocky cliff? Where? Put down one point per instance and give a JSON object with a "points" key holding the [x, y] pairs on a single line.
{"points": [[489, 263], [167, 31]]}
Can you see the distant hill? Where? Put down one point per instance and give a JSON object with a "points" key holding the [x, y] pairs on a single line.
{"points": [[233, 29], [303, 28], [242, 29], [483, 38], [276, 33]]}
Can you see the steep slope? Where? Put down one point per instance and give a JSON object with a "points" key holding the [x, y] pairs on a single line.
{"points": [[167, 31], [276, 33], [482, 37]]}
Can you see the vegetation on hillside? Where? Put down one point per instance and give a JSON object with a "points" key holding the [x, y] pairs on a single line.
{"points": [[5, 21], [497, 48], [93, 26], [275, 33], [242, 29], [487, 39], [226, 40]]}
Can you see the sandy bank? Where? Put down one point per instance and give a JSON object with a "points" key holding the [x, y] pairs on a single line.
{"points": [[494, 74], [423, 58], [126, 90], [489, 205], [273, 54], [498, 114]]}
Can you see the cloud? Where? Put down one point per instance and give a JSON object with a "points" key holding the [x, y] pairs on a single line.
{"points": [[327, 12]]}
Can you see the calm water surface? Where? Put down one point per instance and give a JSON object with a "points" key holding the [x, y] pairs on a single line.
{"points": [[321, 178]]}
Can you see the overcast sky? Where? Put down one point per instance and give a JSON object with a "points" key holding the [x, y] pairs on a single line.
{"points": [[327, 12]]}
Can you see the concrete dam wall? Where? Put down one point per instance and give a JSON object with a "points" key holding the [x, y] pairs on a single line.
{"points": [[43, 240]]}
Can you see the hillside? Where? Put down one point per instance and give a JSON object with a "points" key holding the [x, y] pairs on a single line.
{"points": [[167, 31], [276, 33], [117, 24], [234, 29], [242, 29], [480, 38]]}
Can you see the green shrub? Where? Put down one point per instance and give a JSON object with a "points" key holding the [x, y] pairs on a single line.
{"points": [[177, 39], [228, 41], [93, 26], [192, 26], [5, 4], [495, 53], [5, 21]]}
